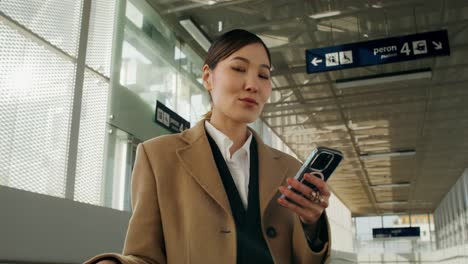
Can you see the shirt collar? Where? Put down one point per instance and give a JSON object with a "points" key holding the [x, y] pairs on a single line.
{"points": [[224, 143]]}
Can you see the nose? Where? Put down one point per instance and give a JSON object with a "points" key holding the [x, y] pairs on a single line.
{"points": [[252, 83]]}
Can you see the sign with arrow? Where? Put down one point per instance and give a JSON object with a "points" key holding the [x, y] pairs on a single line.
{"points": [[380, 51]]}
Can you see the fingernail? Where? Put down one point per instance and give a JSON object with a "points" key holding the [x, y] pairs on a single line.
{"points": [[289, 180]]}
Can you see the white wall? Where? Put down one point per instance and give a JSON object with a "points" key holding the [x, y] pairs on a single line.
{"points": [[341, 226], [38, 228]]}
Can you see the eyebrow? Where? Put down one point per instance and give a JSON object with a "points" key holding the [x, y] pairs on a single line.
{"points": [[247, 61]]}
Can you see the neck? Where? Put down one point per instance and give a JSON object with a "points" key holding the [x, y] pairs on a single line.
{"points": [[237, 132]]}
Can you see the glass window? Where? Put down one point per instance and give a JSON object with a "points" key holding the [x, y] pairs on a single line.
{"points": [[101, 31], [36, 95], [134, 15], [364, 226], [57, 21], [199, 103], [183, 97], [148, 75], [122, 150], [392, 221]]}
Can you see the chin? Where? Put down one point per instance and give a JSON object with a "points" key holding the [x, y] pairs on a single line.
{"points": [[247, 118]]}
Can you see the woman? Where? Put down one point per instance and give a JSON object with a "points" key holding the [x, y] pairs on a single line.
{"points": [[211, 194]]}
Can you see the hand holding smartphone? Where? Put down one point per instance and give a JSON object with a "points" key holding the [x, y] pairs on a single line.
{"points": [[322, 162]]}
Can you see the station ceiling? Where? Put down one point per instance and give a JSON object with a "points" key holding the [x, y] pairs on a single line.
{"points": [[429, 116]]}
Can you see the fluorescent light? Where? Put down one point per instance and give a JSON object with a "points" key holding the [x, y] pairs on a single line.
{"points": [[384, 78], [392, 203], [196, 33], [400, 153], [327, 28], [325, 14], [274, 41], [391, 185]]}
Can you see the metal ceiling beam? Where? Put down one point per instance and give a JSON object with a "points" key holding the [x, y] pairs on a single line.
{"points": [[320, 104], [344, 14], [349, 96], [289, 87], [392, 117], [327, 42]]}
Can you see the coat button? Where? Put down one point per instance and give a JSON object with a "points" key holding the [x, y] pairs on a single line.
{"points": [[271, 232]]}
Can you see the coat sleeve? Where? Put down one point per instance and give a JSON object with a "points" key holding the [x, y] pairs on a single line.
{"points": [[144, 243], [301, 250]]}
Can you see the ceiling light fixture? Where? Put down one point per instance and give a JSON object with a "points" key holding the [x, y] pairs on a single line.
{"points": [[325, 14], [272, 41], [196, 33], [400, 153], [391, 185], [393, 202], [384, 78], [327, 28]]}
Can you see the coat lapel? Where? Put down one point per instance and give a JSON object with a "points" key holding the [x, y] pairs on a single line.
{"points": [[271, 174], [198, 160]]}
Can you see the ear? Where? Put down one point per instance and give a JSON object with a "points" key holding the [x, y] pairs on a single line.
{"points": [[207, 77]]}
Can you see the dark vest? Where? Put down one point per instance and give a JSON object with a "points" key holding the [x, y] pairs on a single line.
{"points": [[251, 246]]}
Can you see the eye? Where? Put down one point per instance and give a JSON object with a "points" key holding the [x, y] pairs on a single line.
{"points": [[238, 69], [264, 76]]}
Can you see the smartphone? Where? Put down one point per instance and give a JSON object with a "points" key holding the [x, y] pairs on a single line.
{"points": [[323, 160]]}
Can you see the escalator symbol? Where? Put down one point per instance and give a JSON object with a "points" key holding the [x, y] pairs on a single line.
{"points": [[346, 57]]}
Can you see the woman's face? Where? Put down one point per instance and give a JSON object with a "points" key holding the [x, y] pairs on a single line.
{"points": [[240, 84]]}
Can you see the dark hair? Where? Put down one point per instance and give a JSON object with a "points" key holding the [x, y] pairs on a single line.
{"points": [[227, 44], [230, 42]]}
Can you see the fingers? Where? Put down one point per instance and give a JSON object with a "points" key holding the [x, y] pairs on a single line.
{"points": [[300, 187], [306, 190], [303, 200], [309, 214], [304, 195], [319, 183], [296, 198]]}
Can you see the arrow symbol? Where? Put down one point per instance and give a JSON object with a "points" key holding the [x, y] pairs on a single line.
{"points": [[316, 61], [437, 45]]}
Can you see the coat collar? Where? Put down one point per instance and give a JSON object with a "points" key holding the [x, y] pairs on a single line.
{"points": [[197, 158]]}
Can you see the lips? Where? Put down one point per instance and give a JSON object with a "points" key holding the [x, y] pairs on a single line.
{"points": [[249, 100]]}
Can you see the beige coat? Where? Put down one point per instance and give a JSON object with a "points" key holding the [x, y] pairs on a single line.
{"points": [[181, 213]]}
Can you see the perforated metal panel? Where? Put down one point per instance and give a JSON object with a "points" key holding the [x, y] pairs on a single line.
{"points": [[89, 166], [35, 108], [56, 21], [98, 54]]}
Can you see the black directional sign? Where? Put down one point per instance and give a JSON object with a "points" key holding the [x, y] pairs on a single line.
{"points": [[380, 51], [396, 232], [170, 119]]}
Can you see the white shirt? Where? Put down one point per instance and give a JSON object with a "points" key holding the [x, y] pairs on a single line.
{"points": [[238, 163]]}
